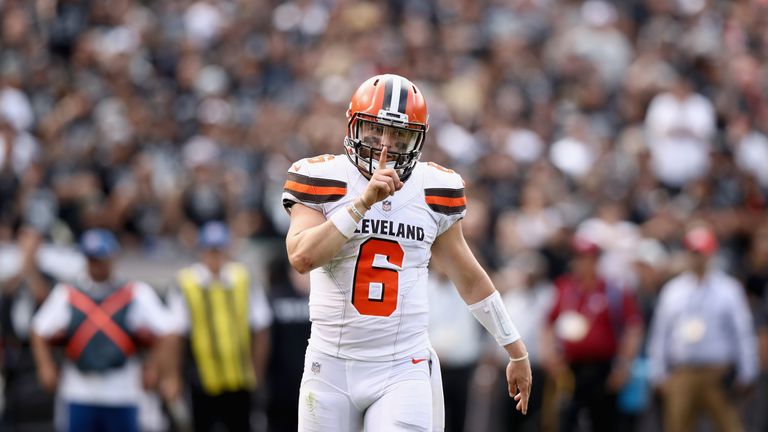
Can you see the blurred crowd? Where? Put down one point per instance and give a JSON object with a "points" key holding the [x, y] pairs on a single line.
{"points": [[621, 123]]}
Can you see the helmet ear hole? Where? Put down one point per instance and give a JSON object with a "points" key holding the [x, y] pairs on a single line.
{"points": [[375, 82]]}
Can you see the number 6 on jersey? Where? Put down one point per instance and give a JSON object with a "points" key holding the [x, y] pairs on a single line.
{"points": [[376, 281]]}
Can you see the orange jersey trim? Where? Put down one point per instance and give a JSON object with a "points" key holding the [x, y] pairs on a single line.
{"points": [[444, 201], [314, 190]]}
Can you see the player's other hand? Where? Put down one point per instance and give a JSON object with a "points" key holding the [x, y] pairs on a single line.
{"points": [[149, 377], [170, 387], [383, 183], [48, 376], [519, 380]]}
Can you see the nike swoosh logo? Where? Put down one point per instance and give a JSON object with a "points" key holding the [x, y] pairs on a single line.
{"points": [[417, 361], [296, 167]]}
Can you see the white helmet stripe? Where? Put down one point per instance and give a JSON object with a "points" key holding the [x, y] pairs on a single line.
{"points": [[395, 100]]}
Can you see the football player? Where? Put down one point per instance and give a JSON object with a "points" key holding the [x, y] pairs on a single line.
{"points": [[365, 225]]}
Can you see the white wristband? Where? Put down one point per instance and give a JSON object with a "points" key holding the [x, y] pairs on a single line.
{"points": [[356, 212], [519, 359], [492, 314], [344, 222]]}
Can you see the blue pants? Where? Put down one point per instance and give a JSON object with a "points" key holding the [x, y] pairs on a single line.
{"points": [[94, 418]]}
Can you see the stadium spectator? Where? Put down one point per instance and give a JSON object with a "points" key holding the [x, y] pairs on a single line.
{"points": [[289, 301], [102, 321], [27, 405], [593, 331], [702, 346], [680, 124], [224, 317], [617, 238]]}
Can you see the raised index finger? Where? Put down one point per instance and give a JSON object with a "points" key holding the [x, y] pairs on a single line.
{"points": [[383, 158]]}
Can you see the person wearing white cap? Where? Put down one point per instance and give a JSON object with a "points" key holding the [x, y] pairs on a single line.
{"points": [[702, 345]]}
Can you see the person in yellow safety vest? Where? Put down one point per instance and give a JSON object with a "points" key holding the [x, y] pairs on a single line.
{"points": [[225, 319]]}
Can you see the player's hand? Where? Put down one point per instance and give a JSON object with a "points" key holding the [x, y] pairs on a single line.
{"points": [[149, 377], [743, 391], [48, 376], [519, 380], [618, 378], [383, 183], [170, 387]]}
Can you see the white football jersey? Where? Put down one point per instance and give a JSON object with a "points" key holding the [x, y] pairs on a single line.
{"points": [[370, 301]]}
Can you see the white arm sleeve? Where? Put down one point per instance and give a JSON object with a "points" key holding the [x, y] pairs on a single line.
{"points": [[260, 313], [54, 315], [177, 306], [148, 312], [493, 315]]}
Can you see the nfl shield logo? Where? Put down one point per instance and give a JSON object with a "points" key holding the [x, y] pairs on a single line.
{"points": [[315, 368], [386, 205]]}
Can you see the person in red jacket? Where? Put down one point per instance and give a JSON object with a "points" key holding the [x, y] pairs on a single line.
{"points": [[593, 331]]}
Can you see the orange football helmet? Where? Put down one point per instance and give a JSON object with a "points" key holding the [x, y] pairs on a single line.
{"points": [[386, 110]]}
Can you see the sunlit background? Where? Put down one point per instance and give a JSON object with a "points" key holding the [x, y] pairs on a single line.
{"points": [[621, 121]]}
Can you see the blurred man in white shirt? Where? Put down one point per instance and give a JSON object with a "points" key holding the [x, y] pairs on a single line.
{"points": [[679, 127], [701, 332], [102, 322]]}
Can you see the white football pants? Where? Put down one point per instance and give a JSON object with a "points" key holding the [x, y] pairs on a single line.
{"points": [[348, 395]]}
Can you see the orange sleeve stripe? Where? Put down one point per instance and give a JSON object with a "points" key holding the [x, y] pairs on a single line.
{"points": [[444, 201], [314, 190]]}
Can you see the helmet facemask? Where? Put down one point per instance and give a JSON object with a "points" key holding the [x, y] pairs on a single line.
{"points": [[367, 134]]}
